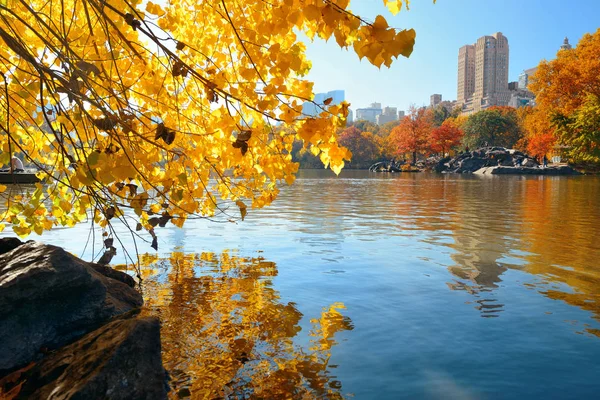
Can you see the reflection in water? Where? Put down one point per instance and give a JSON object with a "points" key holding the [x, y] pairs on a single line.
{"points": [[226, 334]]}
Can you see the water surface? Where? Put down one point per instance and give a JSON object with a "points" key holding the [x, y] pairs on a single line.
{"points": [[385, 286]]}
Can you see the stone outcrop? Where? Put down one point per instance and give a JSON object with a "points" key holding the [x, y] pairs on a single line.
{"points": [[469, 162], [50, 298], [551, 171], [120, 360]]}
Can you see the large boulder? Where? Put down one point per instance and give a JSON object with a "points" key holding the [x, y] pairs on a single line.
{"points": [[121, 360], [471, 164], [49, 298], [9, 244]]}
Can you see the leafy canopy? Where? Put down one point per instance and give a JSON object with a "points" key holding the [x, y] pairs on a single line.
{"points": [[167, 111], [567, 91]]}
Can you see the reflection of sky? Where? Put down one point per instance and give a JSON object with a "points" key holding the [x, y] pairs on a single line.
{"points": [[388, 246]]}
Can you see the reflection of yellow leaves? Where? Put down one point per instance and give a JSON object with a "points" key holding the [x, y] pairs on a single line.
{"points": [[226, 332]]}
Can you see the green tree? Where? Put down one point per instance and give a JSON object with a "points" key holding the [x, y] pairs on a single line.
{"points": [[496, 126], [581, 131]]}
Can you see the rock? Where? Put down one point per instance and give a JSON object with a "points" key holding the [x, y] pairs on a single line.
{"points": [[442, 165], [528, 162], [9, 244], [562, 170], [121, 360], [49, 298], [471, 165]]}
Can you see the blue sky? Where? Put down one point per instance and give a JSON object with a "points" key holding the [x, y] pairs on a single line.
{"points": [[535, 30]]}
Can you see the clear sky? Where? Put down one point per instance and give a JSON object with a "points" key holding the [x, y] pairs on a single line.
{"points": [[535, 30]]}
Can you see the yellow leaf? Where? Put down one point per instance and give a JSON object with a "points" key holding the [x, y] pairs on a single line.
{"points": [[2, 188], [242, 207]]}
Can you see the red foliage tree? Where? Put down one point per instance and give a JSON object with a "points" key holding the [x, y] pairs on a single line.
{"points": [[444, 138], [412, 134], [363, 145]]}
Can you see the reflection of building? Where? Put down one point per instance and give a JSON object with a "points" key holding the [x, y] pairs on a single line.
{"points": [[483, 69], [312, 109], [435, 99], [389, 114], [370, 113]]}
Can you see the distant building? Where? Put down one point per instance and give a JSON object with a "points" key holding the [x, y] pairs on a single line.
{"points": [[350, 117], [370, 113], [521, 98], [435, 99], [449, 105], [566, 45], [513, 86], [389, 114], [483, 73], [524, 78], [466, 73], [310, 109], [401, 114]]}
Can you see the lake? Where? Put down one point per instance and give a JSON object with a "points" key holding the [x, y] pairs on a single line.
{"points": [[384, 286]]}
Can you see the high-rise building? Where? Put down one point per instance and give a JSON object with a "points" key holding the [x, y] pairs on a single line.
{"points": [[435, 99], [483, 68], [401, 114], [566, 45], [370, 113], [389, 114], [525, 77], [466, 73], [310, 109]]}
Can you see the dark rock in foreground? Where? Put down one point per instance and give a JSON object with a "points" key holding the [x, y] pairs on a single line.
{"points": [[121, 360], [552, 171], [9, 244], [49, 298]]}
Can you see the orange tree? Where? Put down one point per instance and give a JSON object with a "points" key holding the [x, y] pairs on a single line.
{"points": [[363, 146], [445, 137], [539, 135], [167, 111], [567, 91], [412, 133]]}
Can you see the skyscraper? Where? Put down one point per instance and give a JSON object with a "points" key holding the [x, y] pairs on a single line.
{"points": [[466, 74], [483, 73]]}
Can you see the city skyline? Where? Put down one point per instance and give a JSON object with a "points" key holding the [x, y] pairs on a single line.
{"points": [[536, 32]]}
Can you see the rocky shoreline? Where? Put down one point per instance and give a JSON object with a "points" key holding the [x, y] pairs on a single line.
{"points": [[498, 161], [71, 329]]}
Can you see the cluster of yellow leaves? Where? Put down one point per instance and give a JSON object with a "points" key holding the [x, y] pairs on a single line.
{"points": [[167, 111]]}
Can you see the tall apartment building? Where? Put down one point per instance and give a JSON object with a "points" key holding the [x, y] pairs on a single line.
{"points": [[435, 99], [483, 73], [466, 74]]}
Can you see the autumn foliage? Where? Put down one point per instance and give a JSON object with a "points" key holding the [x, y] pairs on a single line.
{"points": [[167, 112], [568, 93], [444, 138], [412, 134]]}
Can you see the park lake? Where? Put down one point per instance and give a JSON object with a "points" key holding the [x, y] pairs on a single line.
{"points": [[382, 286]]}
